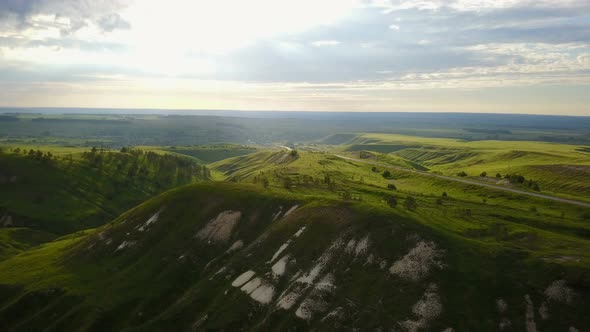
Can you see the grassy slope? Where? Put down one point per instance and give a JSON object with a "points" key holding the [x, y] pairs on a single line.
{"points": [[560, 169], [61, 290], [549, 229], [211, 153], [62, 195]]}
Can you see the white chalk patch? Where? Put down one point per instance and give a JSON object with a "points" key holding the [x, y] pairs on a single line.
{"points": [[501, 305], [310, 306], [350, 246], [334, 314], [263, 293], [293, 208], [218, 272], [278, 269], [326, 284], [362, 246], [544, 311], [559, 291], [315, 271], [251, 285], [531, 326], [426, 309], [299, 232], [280, 250], [418, 262], [125, 244], [286, 302], [220, 228], [243, 278], [239, 244], [150, 221], [370, 259], [277, 214]]}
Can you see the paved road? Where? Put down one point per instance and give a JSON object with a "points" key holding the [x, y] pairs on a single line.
{"points": [[477, 183]]}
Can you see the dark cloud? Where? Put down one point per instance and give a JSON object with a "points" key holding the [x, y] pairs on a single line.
{"points": [[103, 12], [112, 22]]}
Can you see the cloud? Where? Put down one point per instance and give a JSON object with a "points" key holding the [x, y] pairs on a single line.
{"points": [[72, 15], [320, 43]]}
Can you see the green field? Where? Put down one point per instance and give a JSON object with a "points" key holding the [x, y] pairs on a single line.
{"points": [[375, 242]]}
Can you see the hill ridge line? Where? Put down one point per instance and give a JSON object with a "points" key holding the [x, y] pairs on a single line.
{"points": [[491, 186]]}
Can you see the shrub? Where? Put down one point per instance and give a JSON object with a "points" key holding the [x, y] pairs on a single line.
{"points": [[391, 186], [392, 201], [483, 174], [386, 174], [410, 203], [462, 174]]}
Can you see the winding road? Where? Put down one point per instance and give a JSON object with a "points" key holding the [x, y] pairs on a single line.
{"points": [[477, 183]]}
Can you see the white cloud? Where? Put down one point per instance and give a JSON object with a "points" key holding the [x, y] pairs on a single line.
{"points": [[394, 27], [321, 43]]}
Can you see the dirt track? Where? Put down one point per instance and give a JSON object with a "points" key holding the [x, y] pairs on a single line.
{"points": [[477, 183]]}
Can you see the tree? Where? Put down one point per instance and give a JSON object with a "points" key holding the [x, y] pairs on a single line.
{"points": [[346, 195], [498, 175], [410, 203], [386, 174], [294, 153], [374, 169], [392, 201], [483, 174], [462, 174], [287, 182], [444, 194], [391, 186]]}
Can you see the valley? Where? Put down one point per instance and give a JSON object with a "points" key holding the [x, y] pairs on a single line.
{"points": [[360, 231]]}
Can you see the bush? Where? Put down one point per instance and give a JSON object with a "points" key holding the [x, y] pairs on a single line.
{"points": [[410, 203], [392, 201], [391, 186], [444, 194], [483, 174], [386, 174], [462, 174], [498, 175]]}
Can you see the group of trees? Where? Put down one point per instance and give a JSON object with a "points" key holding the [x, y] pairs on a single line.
{"points": [[512, 178], [163, 169], [410, 202], [46, 156], [519, 179]]}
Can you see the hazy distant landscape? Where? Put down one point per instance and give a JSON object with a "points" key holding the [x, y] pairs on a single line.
{"points": [[270, 220], [295, 165]]}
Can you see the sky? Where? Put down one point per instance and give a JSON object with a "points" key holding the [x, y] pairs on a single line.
{"points": [[493, 56]]}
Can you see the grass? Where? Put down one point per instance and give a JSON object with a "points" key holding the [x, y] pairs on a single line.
{"points": [[110, 285], [74, 190], [496, 244], [560, 169]]}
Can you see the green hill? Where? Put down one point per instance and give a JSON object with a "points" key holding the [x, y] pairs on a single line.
{"points": [[222, 256], [53, 192]]}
